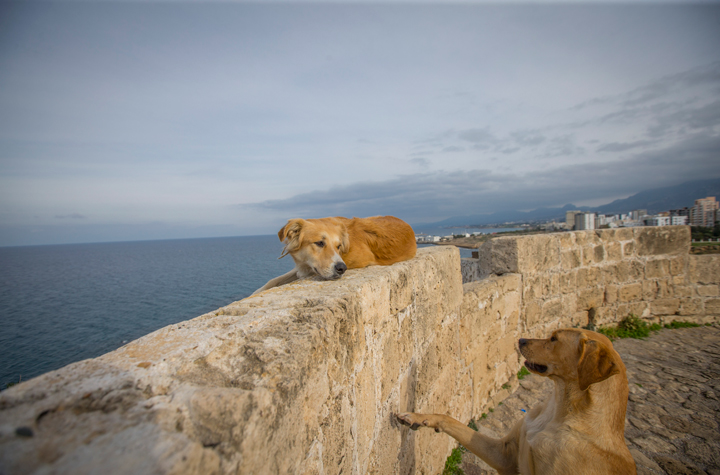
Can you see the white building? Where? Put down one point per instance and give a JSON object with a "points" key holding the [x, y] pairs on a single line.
{"points": [[584, 221], [658, 221], [678, 220]]}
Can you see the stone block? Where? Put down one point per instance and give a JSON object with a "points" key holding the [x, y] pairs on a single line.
{"points": [[570, 259], [659, 240], [630, 292], [498, 256], [611, 294], [649, 289], [640, 309], [587, 238], [470, 269], [588, 277], [565, 240], [589, 298], [613, 251], [657, 268], [538, 253], [682, 291], [533, 288], [628, 249], [665, 288], [532, 313], [551, 310], [704, 269], [630, 271], [712, 306], [568, 281], [665, 307], [610, 274], [603, 316], [707, 290], [689, 306], [678, 265]]}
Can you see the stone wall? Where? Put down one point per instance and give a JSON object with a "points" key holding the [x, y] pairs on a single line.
{"points": [[306, 378], [600, 277]]}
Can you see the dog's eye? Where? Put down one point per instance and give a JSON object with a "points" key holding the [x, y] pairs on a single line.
{"points": [[339, 246], [320, 244]]}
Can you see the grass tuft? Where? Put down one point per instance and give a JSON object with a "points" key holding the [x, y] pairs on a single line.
{"points": [[675, 324], [634, 327], [452, 464], [523, 372]]}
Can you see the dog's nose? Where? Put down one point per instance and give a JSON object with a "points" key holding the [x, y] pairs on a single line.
{"points": [[522, 342], [340, 268]]}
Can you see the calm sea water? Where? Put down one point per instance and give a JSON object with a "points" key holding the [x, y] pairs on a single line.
{"points": [[61, 304]]}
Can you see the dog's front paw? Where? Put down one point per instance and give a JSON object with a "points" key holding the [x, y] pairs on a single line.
{"points": [[412, 420]]}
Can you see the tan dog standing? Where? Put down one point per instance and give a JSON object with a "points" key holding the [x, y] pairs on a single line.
{"points": [[329, 246], [578, 430]]}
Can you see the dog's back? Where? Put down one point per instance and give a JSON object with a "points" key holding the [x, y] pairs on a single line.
{"points": [[379, 240]]}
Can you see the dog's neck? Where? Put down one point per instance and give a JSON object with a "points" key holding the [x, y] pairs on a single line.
{"points": [[601, 403]]}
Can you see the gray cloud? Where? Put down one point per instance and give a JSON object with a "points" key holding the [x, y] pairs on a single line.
{"points": [[441, 194], [622, 147], [421, 161], [71, 216], [478, 136], [701, 76]]}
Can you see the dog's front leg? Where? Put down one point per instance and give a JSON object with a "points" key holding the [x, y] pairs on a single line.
{"points": [[500, 454], [278, 281]]}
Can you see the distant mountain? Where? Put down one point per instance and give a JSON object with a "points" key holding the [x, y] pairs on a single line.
{"points": [[654, 201], [664, 199]]}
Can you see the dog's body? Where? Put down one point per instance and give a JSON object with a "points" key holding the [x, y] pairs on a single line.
{"points": [[329, 246], [578, 430]]}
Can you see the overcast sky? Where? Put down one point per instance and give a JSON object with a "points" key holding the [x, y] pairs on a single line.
{"points": [[147, 120]]}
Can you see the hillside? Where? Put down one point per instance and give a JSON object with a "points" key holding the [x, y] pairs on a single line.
{"points": [[654, 200]]}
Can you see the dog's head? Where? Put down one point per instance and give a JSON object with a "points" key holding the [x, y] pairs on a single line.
{"points": [[316, 245], [573, 355]]}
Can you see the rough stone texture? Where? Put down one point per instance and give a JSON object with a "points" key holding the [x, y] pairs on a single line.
{"points": [[470, 269], [305, 378], [299, 379], [672, 424], [602, 276]]}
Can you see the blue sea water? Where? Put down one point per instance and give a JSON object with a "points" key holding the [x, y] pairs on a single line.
{"points": [[65, 303], [61, 304]]}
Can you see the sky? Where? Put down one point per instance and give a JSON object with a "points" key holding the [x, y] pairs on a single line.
{"points": [[133, 120]]}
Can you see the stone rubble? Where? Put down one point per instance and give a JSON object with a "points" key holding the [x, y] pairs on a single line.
{"points": [[672, 423]]}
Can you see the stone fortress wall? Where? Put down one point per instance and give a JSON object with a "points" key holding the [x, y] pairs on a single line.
{"points": [[306, 378]]}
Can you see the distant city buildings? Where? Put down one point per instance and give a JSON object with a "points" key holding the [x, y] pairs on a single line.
{"points": [[704, 213], [570, 218]]}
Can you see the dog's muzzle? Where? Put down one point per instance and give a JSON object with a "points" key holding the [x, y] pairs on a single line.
{"points": [[534, 367], [340, 268]]}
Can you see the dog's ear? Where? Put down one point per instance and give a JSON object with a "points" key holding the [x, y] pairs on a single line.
{"points": [[344, 241], [597, 363], [290, 235]]}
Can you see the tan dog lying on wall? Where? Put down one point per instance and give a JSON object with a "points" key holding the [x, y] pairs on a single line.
{"points": [[329, 246], [578, 430]]}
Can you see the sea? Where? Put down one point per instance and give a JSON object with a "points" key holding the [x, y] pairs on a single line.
{"points": [[64, 303]]}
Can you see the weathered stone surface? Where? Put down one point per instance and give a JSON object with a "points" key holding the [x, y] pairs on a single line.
{"points": [[654, 241], [704, 269]]}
